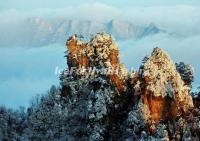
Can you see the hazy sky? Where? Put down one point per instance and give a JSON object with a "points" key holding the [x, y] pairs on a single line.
{"points": [[28, 71], [33, 4]]}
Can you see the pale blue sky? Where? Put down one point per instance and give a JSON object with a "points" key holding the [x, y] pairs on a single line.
{"points": [[34, 4], [28, 71]]}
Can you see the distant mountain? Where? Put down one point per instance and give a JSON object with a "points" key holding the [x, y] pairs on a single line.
{"points": [[38, 31]]}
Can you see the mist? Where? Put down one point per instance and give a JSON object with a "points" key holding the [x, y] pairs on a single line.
{"points": [[26, 72], [30, 70]]}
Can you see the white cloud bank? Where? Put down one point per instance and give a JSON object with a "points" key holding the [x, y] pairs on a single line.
{"points": [[26, 72]]}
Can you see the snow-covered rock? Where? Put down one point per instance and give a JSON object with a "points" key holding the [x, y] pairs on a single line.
{"points": [[163, 89], [151, 104]]}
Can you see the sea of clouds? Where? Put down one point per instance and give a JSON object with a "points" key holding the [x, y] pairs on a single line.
{"points": [[27, 71]]}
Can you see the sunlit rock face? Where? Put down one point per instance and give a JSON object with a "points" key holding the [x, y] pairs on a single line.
{"points": [[100, 53], [162, 89], [97, 89], [152, 103], [75, 56]]}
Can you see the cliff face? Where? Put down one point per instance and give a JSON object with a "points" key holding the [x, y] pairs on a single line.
{"points": [[113, 104], [162, 89], [98, 100], [100, 54]]}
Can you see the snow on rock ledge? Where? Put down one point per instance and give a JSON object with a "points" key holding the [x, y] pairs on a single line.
{"points": [[162, 89], [100, 53], [136, 104]]}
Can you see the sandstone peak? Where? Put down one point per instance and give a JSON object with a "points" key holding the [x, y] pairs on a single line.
{"points": [[162, 88], [151, 104], [100, 52], [158, 80]]}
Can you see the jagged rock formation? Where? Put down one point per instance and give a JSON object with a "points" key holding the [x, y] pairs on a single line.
{"points": [[151, 104], [76, 57], [100, 54], [145, 102], [161, 87], [163, 91]]}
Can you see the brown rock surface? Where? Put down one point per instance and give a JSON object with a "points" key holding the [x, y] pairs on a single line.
{"points": [[160, 86], [162, 89], [100, 53]]}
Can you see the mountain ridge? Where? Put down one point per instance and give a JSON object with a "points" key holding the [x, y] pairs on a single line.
{"points": [[39, 32]]}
